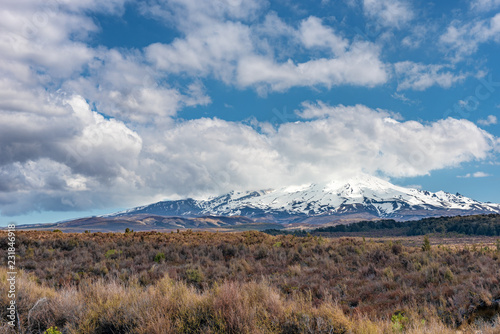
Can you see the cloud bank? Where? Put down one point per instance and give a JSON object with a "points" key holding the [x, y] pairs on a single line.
{"points": [[103, 162]]}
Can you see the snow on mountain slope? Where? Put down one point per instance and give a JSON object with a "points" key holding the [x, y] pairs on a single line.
{"points": [[316, 199], [363, 193]]}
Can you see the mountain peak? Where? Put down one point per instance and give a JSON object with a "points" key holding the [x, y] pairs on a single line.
{"points": [[364, 196]]}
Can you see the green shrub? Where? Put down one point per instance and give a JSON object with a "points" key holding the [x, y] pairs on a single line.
{"points": [[426, 247], [52, 330], [448, 275], [112, 253], [159, 257], [194, 276], [399, 322]]}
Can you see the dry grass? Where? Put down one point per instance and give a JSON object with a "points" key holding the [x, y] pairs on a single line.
{"points": [[175, 307], [247, 283]]}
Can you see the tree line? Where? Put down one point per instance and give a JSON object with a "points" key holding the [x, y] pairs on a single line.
{"points": [[486, 224]]}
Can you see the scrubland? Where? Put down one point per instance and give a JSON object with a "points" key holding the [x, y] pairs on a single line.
{"points": [[251, 282]]}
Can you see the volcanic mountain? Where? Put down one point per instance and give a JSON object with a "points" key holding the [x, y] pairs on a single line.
{"points": [[358, 198]]}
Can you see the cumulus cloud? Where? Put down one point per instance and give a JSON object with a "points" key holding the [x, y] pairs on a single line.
{"points": [[419, 76], [213, 155], [491, 119], [48, 37], [206, 156], [389, 13], [211, 50], [82, 139], [313, 33], [463, 39], [78, 151], [401, 148], [124, 86], [359, 66], [239, 53]]}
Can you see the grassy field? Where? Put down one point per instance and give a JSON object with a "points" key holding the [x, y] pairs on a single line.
{"points": [[454, 241], [252, 282]]}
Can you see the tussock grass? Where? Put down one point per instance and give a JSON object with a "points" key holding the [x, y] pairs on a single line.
{"points": [[170, 306], [247, 283]]}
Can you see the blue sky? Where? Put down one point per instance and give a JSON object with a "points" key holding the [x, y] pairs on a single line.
{"points": [[105, 106]]}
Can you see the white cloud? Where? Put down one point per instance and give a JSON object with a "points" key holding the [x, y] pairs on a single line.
{"points": [[105, 163], [491, 119], [274, 26], [46, 156], [402, 97], [389, 13], [463, 39], [189, 15], [206, 156], [485, 5], [418, 34], [50, 37], [78, 137], [44, 48], [123, 86], [84, 126], [399, 148], [476, 175], [419, 76], [241, 54], [358, 66], [313, 33], [212, 50]]}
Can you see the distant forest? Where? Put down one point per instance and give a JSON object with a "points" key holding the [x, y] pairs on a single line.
{"points": [[488, 225]]}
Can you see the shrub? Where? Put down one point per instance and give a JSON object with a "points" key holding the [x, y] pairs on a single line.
{"points": [[448, 275], [397, 248], [159, 257], [262, 253], [194, 276], [426, 247], [112, 253], [399, 321], [52, 330], [305, 275], [388, 273]]}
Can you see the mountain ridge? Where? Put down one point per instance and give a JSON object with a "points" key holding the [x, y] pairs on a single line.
{"points": [[368, 196]]}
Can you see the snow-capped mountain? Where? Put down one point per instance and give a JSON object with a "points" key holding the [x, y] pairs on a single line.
{"points": [[362, 197]]}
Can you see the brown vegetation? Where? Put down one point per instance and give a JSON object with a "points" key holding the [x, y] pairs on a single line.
{"points": [[200, 282]]}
